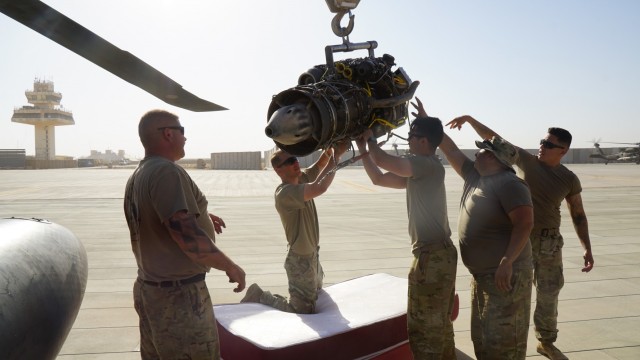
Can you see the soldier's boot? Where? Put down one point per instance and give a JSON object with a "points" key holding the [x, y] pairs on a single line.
{"points": [[253, 294], [550, 351]]}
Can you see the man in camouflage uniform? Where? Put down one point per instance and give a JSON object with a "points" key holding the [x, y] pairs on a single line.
{"points": [[550, 183], [172, 237], [496, 216], [433, 272], [297, 210]]}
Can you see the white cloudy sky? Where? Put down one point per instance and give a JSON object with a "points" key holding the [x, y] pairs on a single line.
{"points": [[519, 66]]}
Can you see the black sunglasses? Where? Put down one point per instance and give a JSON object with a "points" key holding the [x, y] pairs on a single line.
{"points": [[181, 128], [489, 144], [549, 145], [290, 161]]}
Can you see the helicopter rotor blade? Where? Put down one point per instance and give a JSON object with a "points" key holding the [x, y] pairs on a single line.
{"points": [[75, 37]]}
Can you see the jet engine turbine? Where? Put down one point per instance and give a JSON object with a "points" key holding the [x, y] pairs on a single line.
{"points": [[340, 100]]}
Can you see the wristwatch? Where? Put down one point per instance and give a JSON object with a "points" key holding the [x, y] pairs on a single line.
{"points": [[372, 139]]}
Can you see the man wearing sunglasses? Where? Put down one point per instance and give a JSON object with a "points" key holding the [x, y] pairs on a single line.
{"points": [[495, 219], [432, 276], [297, 210], [173, 240], [550, 183]]}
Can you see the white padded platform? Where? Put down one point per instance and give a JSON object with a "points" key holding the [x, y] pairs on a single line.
{"points": [[353, 318]]}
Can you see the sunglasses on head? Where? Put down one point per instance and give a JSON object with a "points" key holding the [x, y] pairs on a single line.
{"points": [[549, 145], [181, 128], [489, 144], [290, 161]]}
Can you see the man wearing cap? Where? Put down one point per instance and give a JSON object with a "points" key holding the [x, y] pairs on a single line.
{"points": [[550, 183], [297, 210], [496, 217], [433, 272]]}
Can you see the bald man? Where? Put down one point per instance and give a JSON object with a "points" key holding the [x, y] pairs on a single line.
{"points": [[173, 240]]}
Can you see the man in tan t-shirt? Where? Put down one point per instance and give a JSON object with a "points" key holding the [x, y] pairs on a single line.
{"points": [[496, 217], [297, 210], [173, 240], [432, 276], [550, 183]]}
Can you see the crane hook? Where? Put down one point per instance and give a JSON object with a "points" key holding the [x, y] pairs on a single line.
{"points": [[335, 24]]}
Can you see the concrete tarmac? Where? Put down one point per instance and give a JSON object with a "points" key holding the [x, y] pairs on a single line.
{"points": [[363, 231]]}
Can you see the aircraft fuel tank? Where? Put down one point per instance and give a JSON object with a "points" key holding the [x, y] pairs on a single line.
{"points": [[43, 276]]}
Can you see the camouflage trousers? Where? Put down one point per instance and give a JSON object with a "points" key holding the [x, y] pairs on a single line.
{"points": [[432, 280], [500, 320], [176, 322], [549, 279], [305, 275]]}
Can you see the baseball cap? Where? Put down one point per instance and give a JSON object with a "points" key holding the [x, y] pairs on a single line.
{"points": [[504, 152]]}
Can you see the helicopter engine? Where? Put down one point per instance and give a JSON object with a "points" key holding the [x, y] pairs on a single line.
{"points": [[340, 100]]}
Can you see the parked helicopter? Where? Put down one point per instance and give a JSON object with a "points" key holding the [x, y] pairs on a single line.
{"points": [[395, 145], [628, 155]]}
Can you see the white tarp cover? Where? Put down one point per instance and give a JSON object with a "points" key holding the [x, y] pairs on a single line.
{"points": [[340, 308]]}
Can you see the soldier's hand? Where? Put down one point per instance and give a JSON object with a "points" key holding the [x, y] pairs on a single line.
{"points": [[588, 261], [237, 275], [341, 147], [459, 121], [366, 134], [361, 143], [418, 106], [218, 223], [503, 276]]}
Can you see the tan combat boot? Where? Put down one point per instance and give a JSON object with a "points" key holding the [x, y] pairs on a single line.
{"points": [[253, 294], [550, 351]]}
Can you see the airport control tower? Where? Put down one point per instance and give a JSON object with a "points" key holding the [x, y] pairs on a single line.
{"points": [[45, 114]]}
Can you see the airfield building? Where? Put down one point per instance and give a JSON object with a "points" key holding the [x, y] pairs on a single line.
{"points": [[44, 113]]}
